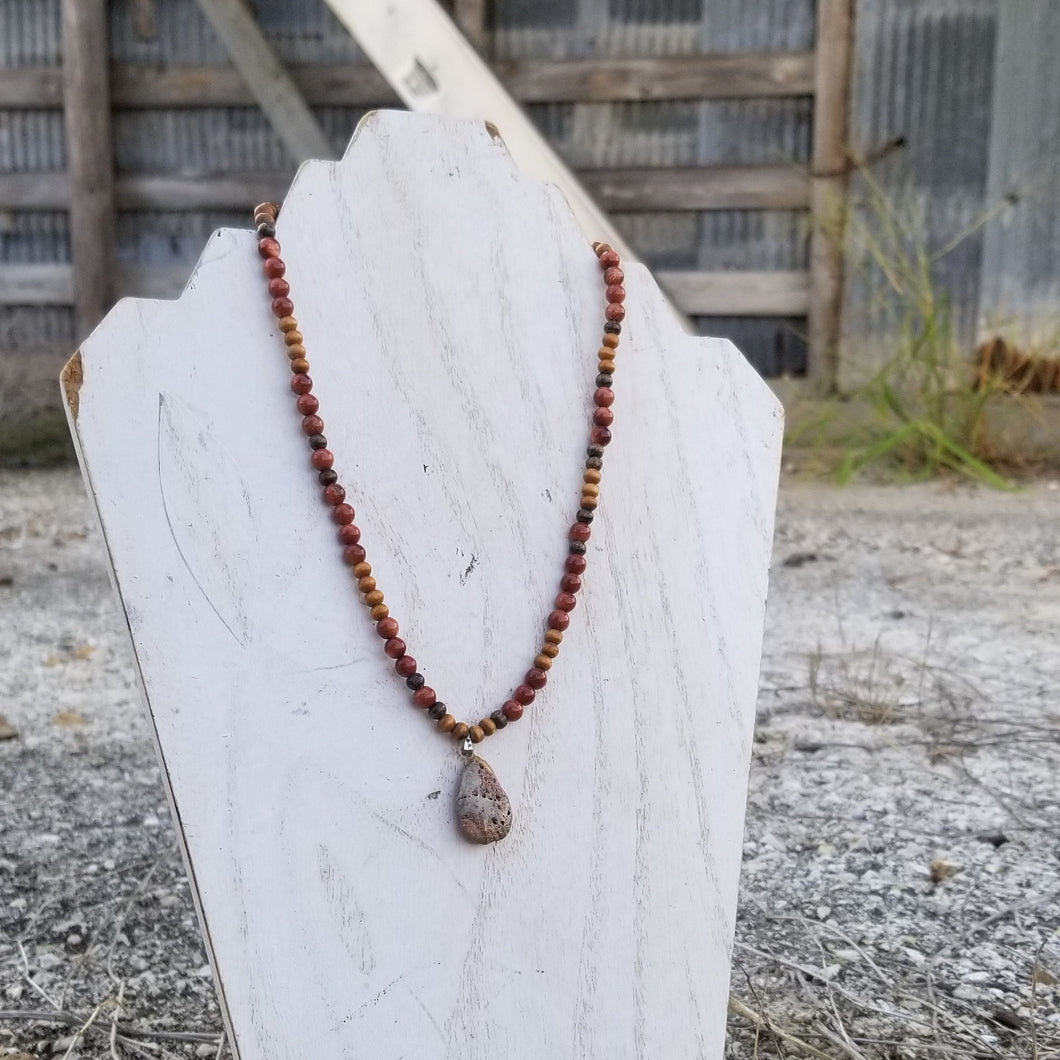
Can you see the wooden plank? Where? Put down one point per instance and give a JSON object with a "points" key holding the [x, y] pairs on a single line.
{"points": [[599, 80], [828, 196], [738, 293], [321, 884], [90, 154], [684, 188], [269, 83], [699, 188]]}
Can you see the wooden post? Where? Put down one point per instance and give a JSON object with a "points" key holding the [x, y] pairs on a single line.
{"points": [[828, 193], [89, 147], [268, 81]]}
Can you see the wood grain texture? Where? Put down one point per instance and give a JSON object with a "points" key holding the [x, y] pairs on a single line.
{"points": [[452, 309]]}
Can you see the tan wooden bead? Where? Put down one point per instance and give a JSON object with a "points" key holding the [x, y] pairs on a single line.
{"points": [[293, 337], [591, 488], [374, 597], [610, 340], [543, 662], [488, 726], [295, 351], [600, 248], [605, 353], [300, 367], [476, 733], [366, 584], [591, 475], [379, 612], [460, 731], [270, 209], [447, 723], [288, 324], [362, 569], [554, 636], [551, 650], [606, 366], [589, 502]]}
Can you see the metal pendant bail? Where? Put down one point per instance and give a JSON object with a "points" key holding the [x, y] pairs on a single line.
{"points": [[468, 749]]}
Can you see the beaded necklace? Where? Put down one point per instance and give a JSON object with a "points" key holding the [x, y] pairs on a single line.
{"points": [[484, 811]]}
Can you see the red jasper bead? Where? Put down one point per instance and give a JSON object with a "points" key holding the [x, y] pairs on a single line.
{"points": [[603, 417], [613, 275], [614, 311], [580, 532], [424, 697], [278, 287], [395, 647], [600, 436], [322, 459], [268, 247], [349, 534], [313, 425], [387, 628], [609, 259], [558, 620], [513, 710], [615, 293], [307, 404], [565, 602], [575, 564], [354, 554], [343, 513], [570, 583], [301, 384], [284, 307], [524, 694], [274, 268], [603, 396], [535, 678], [334, 494], [406, 665]]}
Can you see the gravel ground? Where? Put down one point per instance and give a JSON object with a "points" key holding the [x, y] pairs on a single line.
{"points": [[901, 885]]}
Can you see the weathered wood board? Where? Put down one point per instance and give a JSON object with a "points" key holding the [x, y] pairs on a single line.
{"points": [[452, 309]]}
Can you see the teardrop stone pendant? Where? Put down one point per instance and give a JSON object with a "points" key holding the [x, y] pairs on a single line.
{"points": [[483, 809]]}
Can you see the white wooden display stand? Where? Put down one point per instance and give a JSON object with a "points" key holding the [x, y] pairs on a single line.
{"points": [[452, 310]]}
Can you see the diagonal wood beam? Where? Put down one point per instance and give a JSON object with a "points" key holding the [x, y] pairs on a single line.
{"points": [[432, 67], [265, 76]]}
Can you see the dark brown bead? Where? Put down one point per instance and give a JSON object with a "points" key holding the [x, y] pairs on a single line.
{"points": [[415, 681], [585, 515], [575, 564], [353, 554], [437, 712], [603, 417], [279, 287], [307, 405], [318, 441], [570, 583], [322, 459], [580, 532], [265, 228], [424, 697], [343, 513], [334, 493], [605, 379], [536, 678], [612, 327], [565, 602], [558, 620], [274, 268], [301, 384], [613, 275], [600, 436], [513, 710], [405, 666], [268, 248], [328, 477], [395, 647], [594, 450], [282, 307], [499, 718], [615, 311], [594, 462], [576, 548], [312, 425], [615, 294], [387, 628]]}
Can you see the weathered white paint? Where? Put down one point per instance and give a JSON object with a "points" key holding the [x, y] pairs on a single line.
{"points": [[452, 310]]}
